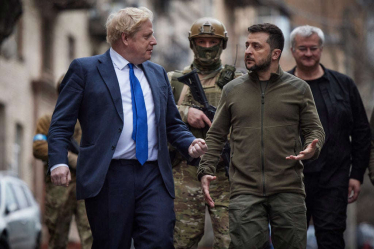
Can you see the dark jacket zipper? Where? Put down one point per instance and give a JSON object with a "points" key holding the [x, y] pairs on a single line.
{"points": [[262, 137]]}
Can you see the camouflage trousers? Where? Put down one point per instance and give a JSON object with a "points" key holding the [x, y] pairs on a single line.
{"points": [[189, 206], [60, 206]]}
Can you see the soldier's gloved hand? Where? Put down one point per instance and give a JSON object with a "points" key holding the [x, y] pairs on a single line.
{"points": [[197, 118], [227, 75]]}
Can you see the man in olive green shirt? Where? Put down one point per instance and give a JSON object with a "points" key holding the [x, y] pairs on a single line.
{"points": [[266, 110]]}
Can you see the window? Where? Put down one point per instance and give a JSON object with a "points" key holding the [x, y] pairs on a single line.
{"points": [[71, 47], [267, 14], [19, 39], [17, 149], [2, 137], [28, 194], [47, 39], [20, 196], [10, 200], [12, 47]]}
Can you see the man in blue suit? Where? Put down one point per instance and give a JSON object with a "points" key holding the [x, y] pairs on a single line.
{"points": [[127, 113]]}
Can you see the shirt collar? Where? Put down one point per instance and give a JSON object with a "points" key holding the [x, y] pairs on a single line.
{"points": [[273, 76], [118, 61], [324, 76], [324, 72]]}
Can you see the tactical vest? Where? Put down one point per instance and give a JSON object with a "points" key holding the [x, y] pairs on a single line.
{"points": [[212, 92]]}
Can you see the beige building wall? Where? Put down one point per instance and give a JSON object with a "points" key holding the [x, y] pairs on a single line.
{"points": [[17, 69], [244, 17], [171, 30], [72, 24], [27, 91], [326, 15]]}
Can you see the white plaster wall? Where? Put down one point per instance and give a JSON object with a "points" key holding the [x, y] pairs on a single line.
{"points": [[32, 40], [16, 76], [16, 92], [70, 23]]}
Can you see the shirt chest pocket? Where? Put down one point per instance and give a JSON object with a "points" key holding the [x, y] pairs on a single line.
{"points": [[343, 109]]}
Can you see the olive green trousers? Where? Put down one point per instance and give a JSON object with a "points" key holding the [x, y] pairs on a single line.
{"points": [[250, 216]]}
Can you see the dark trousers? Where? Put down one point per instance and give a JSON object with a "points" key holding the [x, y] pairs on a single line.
{"points": [[133, 203], [327, 204]]}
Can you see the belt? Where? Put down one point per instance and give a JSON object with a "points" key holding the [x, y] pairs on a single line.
{"points": [[133, 161]]}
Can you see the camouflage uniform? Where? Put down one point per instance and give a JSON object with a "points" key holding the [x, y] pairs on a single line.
{"points": [[60, 202], [189, 202]]}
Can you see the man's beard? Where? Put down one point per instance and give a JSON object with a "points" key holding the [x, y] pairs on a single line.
{"points": [[263, 66]]}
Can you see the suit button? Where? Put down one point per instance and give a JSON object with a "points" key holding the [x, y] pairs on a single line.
{"points": [[113, 147], [119, 130]]}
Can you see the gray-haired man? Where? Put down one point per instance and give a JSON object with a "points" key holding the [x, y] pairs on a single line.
{"points": [[329, 183]]}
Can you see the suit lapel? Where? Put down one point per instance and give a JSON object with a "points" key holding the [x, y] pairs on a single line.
{"points": [[150, 75], [109, 76]]}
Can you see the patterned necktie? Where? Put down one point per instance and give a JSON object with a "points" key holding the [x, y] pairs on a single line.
{"points": [[140, 128]]}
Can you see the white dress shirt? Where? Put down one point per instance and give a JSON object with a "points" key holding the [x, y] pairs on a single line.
{"points": [[125, 148]]}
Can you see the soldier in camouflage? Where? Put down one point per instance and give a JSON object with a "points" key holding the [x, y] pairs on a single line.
{"points": [[208, 38], [60, 202]]}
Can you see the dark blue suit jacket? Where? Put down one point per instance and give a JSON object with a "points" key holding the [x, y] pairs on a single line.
{"points": [[90, 93]]}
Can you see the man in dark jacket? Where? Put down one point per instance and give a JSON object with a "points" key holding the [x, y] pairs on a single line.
{"points": [[127, 112], [330, 181]]}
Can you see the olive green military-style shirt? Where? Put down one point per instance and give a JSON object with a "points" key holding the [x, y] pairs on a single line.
{"points": [[265, 129]]}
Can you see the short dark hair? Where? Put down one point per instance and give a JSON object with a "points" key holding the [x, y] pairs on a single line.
{"points": [[276, 38]]}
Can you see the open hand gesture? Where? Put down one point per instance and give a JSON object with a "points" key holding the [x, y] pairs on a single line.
{"points": [[205, 182], [307, 153]]}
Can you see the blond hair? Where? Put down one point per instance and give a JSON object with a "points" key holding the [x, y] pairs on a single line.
{"points": [[128, 21]]}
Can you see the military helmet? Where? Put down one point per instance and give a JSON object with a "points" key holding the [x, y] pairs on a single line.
{"points": [[208, 27]]}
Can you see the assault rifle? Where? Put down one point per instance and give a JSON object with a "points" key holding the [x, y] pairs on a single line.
{"points": [[192, 80]]}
